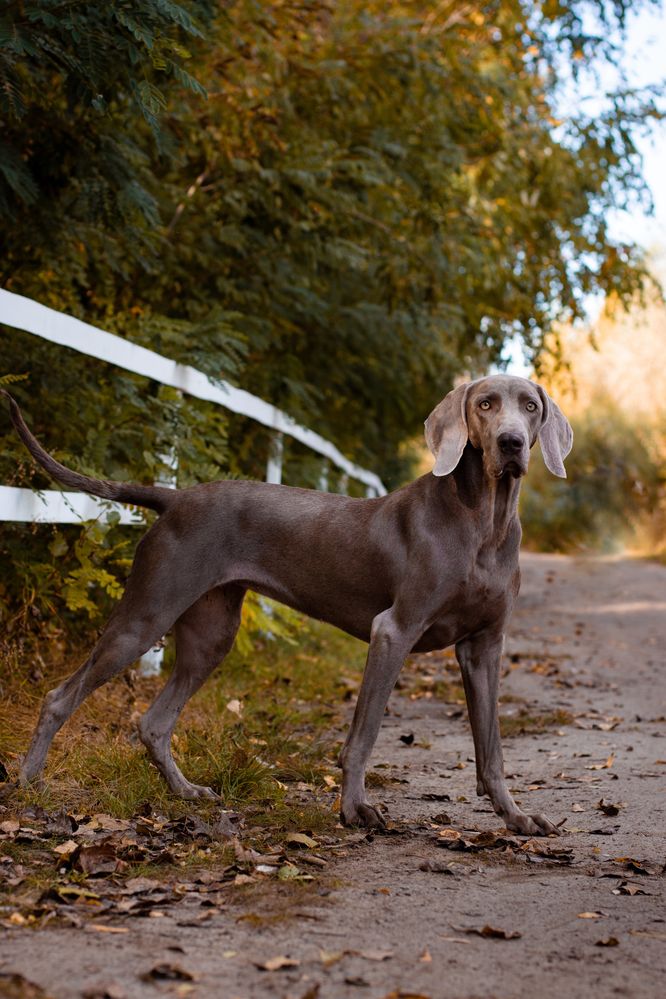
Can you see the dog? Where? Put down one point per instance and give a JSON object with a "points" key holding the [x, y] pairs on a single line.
{"points": [[430, 565]]}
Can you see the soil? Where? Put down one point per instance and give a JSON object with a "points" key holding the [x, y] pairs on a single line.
{"points": [[586, 646]]}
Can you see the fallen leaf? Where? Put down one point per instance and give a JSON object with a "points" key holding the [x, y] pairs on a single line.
{"points": [[15, 986], [373, 955], [577, 808], [167, 972], [301, 839], [407, 739], [491, 932], [249, 856], [629, 888], [244, 879], [602, 766], [266, 869], [556, 854], [648, 933], [607, 942], [331, 957], [66, 850], [401, 994], [95, 860], [102, 928], [276, 963], [608, 808], [639, 866], [235, 706], [312, 992], [223, 826], [107, 822], [437, 867], [590, 915], [449, 835], [289, 872], [426, 956], [111, 991]]}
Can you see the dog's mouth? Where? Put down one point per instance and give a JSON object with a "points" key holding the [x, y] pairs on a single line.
{"points": [[513, 468]]}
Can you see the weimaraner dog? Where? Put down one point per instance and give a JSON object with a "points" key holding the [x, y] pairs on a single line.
{"points": [[431, 565]]}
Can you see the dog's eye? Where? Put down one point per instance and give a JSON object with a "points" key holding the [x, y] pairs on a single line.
{"points": [[531, 406], [484, 404]]}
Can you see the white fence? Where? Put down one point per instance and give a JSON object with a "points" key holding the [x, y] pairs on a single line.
{"points": [[56, 507]]}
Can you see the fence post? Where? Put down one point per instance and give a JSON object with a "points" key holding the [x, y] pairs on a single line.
{"points": [[150, 663], [274, 463]]}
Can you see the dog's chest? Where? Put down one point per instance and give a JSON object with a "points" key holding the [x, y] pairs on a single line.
{"points": [[487, 590]]}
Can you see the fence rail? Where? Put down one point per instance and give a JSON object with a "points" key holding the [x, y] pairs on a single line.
{"points": [[51, 506]]}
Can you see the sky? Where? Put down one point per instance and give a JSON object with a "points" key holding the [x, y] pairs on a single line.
{"points": [[645, 63]]}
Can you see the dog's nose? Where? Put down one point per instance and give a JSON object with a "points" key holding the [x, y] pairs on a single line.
{"points": [[510, 443]]}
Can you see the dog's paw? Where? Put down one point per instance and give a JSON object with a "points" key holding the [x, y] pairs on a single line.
{"points": [[531, 825], [362, 814], [193, 792]]}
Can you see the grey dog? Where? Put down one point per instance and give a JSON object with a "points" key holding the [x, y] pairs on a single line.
{"points": [[431, 565]]}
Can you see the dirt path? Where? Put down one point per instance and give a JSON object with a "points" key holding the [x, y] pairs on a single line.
{"points": [[587, 641]]}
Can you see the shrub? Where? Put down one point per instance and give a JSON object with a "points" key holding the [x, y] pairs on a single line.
{"points": [[614, 493]]}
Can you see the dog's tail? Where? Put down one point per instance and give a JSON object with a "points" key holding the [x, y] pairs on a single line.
{"points": [[154, 497]]}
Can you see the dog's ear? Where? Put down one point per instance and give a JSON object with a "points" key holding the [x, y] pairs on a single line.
{"points": [[446, 430], [555, 435]]}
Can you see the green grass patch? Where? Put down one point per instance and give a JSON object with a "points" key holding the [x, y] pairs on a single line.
{"points": [[262, 729], [526, 722]]}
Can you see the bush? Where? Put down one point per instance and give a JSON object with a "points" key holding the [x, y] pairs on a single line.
{"points": [[615, 491]]}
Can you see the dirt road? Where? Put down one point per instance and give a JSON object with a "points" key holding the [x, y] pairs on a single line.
{"points": [[400, 914]]}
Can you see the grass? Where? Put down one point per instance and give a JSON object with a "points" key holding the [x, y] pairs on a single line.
{"points": [[276, 755], [526, 722]]}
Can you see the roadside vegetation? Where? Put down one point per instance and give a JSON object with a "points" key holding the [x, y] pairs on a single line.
{"points": [[614, 496], [266, 722]]}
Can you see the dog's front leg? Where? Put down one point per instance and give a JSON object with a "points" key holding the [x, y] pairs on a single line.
{"points": [[389, 645], [479, 658]]}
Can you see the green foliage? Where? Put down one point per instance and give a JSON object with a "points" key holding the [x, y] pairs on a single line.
{"points": [[264, 617], [615, 486], [87, 550]]}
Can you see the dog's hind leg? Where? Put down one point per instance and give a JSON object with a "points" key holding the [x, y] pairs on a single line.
{"points": [[204, 635], [125, 638]]}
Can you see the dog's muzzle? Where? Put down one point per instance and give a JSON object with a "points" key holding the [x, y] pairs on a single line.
{"points": [[513, 454]]}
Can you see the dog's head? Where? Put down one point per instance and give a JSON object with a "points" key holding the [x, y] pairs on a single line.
{"points": [[502, 416]]}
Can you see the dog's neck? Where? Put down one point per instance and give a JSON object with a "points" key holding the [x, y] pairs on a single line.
{"points": [[494, 501]]}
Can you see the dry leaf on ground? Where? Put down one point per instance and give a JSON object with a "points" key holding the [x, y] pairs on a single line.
{"points": [[165, 971], [276, 963], [490, 932]]}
